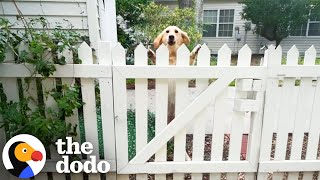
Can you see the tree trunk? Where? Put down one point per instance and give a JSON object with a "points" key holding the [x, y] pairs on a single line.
{"points": [[185, 4], [278, 42], [199, 11]]}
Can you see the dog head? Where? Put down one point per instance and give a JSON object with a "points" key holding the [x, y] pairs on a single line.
{"points": [[171, 36]]}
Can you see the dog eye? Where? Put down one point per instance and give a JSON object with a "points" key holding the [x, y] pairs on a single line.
{"points": [[167, 31], [176, 31], [24, 150]]}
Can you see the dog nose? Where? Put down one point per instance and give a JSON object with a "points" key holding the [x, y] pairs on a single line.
{"points": [[171, 37]]}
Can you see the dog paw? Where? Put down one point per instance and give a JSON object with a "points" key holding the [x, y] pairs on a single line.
{"points": [[197, 48], [151, 54]]}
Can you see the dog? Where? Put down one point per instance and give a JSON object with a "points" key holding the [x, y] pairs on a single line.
{"points": [[172, 37]]}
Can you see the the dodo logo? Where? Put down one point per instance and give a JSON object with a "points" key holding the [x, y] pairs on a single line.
{"points": [[24, 156]]}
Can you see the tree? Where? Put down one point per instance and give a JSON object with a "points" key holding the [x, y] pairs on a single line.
{"points": [[128, 13], [275, 19]]}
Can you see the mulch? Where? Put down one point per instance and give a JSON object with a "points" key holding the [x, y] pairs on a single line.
{"points": [[241, 176]]}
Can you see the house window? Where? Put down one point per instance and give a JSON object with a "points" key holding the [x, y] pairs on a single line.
{"points": [[210, 19], [312, 28], [218, 23], [300, 30]]}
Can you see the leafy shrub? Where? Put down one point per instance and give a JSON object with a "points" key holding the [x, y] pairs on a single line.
{"points": [[131, 116]]}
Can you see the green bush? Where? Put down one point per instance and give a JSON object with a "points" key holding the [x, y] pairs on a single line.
{"points": [[132, 130]]}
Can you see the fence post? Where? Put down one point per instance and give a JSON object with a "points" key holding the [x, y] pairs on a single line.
{"points": [[107, 115], [272, 58], [120, 109]]}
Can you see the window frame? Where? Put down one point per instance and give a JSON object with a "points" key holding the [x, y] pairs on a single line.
{"points": [[307, 29], [316, 22], [218, 21]]}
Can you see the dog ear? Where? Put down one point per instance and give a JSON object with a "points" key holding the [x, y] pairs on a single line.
{"points": [[185, 37], [158, 41]]}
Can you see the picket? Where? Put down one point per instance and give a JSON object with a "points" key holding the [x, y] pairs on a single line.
{"points": [[89, 108], [181, 103], [162, 56], [120, 110], [271, 109], [237, 126], [141, 99], [199, 126], [10, 88], [74, 119], [220, 112], [48, 85]]}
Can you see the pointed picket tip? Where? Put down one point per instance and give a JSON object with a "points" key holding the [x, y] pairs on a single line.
{"points": [[279, 48], [85, 53], [140, 55], [162, 56], [119, 55], [23, 46], [67, 53], [224, 56], [310, 56], [162, 49], [271, 46], [84, 46], [244, 57], [264, 60], [293, 56], [183, 55], [224, 48], [140, 48], [204, 55], [204, 49], [183, 49], [274, 55]]}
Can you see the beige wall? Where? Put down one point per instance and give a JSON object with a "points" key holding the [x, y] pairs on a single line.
{"points": [[55, 11]]}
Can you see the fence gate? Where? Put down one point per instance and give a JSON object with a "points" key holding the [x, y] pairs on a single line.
{"points": [[291, 127], [211, 127]]}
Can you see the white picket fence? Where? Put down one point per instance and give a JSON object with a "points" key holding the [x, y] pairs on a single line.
{"points": [[274, 107]]}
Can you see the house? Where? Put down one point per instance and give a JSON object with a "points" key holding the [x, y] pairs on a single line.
{"points": [[94, 18], [223, 24]]}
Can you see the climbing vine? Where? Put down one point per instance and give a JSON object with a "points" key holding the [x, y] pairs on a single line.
{"points": [[42, 48]]}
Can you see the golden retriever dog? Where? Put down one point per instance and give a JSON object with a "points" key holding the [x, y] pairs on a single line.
{"points": [[173, 37]]}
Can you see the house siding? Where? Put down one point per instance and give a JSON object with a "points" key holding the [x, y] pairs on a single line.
{"points": [[56, 12], [254, 41], [81, 15]]}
